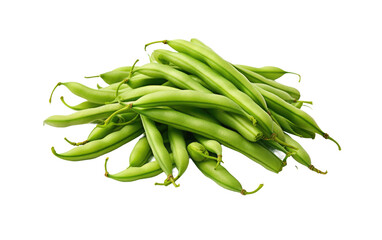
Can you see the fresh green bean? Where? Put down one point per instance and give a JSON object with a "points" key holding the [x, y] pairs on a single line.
{"points": [[212, 146], [269, 72], [198, 152], [141, 153], [134, 94], [179, 150], [83, 116], [81, 106], [281, 93], [102, 146], [160, 152], [211, 130], [300, 155]]}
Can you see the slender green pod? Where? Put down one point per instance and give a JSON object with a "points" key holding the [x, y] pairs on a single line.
{"points": [[114, 76], [199, 113], [81, 106], [179, 150], [190, 98], [222, 177], [269, 72], [134, 94], [141, 153], [102, 146], [300, 155], [158, 148], [222, 86], [100, 96], [140, 80], [238, 123], [218, 64], [281, 93], [131, 174], [284, 123], [257, 78], [83, 116], [198, 152], [293, 114], [298, 104], [114, 86], [212, 146], [211, 130]]}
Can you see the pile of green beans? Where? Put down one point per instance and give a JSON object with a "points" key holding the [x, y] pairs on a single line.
{"points": [[187, 104]]}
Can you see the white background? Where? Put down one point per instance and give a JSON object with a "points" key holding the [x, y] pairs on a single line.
{"points": [[334, 45]]}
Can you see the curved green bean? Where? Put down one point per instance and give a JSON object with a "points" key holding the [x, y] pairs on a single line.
{"points": [[141, 153]]}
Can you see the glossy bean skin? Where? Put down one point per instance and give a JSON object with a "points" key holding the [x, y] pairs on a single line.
{"points": [[114, 76], [157, 146], [208, 129], [197, 112], [134, 94], [83, 116], [218, 64], [282, 94], [114, 86], [269, 72], [100, 147], [189, 98], [257, 78], [179, 150], [141, 153], [284, 123], [293, 114], [222, 86], [298, 104], [140, 80]]}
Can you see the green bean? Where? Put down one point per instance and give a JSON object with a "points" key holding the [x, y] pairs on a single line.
{"points": [[218, 64], [222, 177], [198, 152], [141, 153], [301, 156], [257, 78], [81, 106], [212, 146], [100, 132], [222, 86], [269, 72], [140, 80], [179, 150], [114, 86], [102, 146], [160, 152], [211, 130], [284, 123], [83, 116], [282, 94], [238, 123], [295, 115], [190, 98], [134, 94], [114, 76], [197, 112], [130, 174], [298, 104]]}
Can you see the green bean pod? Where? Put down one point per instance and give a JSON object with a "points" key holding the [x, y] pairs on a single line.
{"points": [[190, 98], [212, 146], [81, 106], [198, 152], [100, 147], [114, 76], [298, 104], [257, 78], [222, 177], [83, 116], [284, 123], [114, 86], [222, 86], [130, 174], [269, 72], [141, 153], [282, 94], [179, 150], [92, 95], [218, 64], [136, 93], [293, 114], [211, 130], [157, 146], [140, 80], [197, 112], [300, 155]]}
